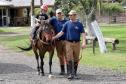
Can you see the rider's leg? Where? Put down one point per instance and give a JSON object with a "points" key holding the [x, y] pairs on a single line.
{"points": [[33, 34]]}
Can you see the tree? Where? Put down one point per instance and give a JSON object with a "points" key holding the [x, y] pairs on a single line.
{"points": [[87, 7], [66, 5], [112, 9]]}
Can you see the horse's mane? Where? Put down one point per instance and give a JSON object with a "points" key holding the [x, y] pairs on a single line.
{"points": [[46, 23], [45, 26]]}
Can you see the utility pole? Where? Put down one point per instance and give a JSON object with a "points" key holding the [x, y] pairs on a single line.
{"points": [[32, 14]]}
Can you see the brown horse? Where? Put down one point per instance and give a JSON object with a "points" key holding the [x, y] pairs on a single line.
{"points": [[43, 44]]}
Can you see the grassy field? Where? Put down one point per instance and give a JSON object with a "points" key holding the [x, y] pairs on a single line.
{"points": [[16, 39], [113, 59]]}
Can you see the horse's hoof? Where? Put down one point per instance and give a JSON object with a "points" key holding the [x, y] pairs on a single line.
{"points": [[39, 73], [43, 74], [51, 76]]}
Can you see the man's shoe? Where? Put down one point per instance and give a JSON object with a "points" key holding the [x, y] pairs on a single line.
{"points": [[70, 77], [62, 70], [62, 73], [76, 77]]}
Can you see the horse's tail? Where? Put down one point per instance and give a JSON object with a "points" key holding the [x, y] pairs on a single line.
{"points": [[26, 49]]}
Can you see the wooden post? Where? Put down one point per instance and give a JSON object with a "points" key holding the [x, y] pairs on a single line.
{"points": [[32, 7], [32, 14]]}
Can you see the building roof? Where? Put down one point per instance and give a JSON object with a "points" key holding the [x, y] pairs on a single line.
{"points": [[24, 3], [5, 3]]}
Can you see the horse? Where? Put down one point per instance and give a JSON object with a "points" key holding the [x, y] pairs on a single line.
{"points": [[42, 45]]}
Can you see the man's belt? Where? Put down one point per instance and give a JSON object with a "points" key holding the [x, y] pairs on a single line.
{"points": [[72, 41], [60, 39]]}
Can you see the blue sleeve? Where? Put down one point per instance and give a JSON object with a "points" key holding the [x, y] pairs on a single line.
{"points": [[51, 21], [64, 28]]}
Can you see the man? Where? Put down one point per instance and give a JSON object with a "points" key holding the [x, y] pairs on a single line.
{"points": [[43, 16], [73, 29], [58, 22]]}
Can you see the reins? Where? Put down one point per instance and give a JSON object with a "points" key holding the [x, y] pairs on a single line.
{"points": [[41, 39], [80, 56], [43, 42]]}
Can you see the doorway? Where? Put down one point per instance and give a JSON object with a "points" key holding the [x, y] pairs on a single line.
{"points": [[0, 17], [4, 19]]}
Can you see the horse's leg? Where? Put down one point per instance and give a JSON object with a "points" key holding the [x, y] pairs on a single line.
{"points": [[41, 53], [50, 61], [37, 59]]}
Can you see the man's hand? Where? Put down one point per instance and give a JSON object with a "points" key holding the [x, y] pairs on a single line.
{"points": [[83, 45], [58, 35], [53, 38]]}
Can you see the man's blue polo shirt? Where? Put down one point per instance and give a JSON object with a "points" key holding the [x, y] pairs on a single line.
{"points": [[73, 30], [58, 25]]}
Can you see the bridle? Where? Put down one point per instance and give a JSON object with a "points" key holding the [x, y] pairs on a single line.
{"points": [[42, 41], [46, 29]]}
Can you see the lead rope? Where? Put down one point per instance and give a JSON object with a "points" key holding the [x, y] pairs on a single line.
{"points": [[78, 59], [80, 56]]}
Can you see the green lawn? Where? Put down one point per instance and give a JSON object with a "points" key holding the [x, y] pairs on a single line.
{"points": [[13, 41], [14, 29], [113, 59]]}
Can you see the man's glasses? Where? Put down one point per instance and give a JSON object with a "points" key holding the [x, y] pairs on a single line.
{"points": [[73, 15], [70, 15], [59, 13]]}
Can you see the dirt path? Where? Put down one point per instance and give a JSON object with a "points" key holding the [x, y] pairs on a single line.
{"points": [[16, 68]]}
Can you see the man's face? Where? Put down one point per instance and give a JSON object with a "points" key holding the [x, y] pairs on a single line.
{"points": [[59, 15], [72, 16]]}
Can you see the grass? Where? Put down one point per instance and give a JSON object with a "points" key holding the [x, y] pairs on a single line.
{"points": [[14, 29], [13, 41], [113, 59]]}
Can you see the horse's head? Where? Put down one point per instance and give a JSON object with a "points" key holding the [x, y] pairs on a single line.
{"points": [[47, 32]]}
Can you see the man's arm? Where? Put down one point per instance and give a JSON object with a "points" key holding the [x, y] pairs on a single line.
{"points": [[58, 35], [83, 40]]}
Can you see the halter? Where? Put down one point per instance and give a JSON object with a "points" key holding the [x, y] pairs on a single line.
{"points": [[45, 28]]}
